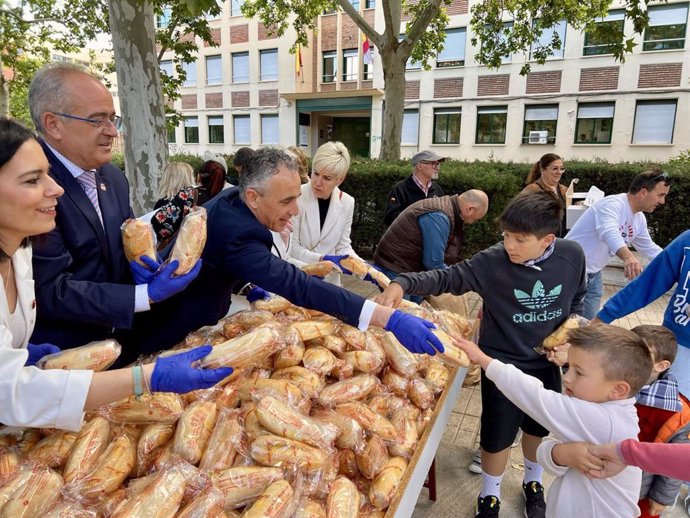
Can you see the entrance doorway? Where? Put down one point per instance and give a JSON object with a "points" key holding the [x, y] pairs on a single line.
{"points": [[354, 133]]}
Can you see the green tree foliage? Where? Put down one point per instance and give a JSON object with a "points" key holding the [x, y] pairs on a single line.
{"points": [[529, 19], [423, 39]]}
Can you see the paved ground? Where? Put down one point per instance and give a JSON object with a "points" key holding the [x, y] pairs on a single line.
{"points": [[457, 487]]}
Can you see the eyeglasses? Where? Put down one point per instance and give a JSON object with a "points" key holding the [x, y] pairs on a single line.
{"points": [[435, 165], [659, 177], [115, 120]]}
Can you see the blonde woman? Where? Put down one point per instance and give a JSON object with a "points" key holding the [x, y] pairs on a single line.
{"points": [[178, 196], [321, 230]]}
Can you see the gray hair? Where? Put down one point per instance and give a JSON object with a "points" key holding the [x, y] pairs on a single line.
{"points": [[261, 167], [48, 92], [332, 157]]}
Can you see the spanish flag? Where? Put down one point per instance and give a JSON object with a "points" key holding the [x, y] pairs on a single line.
{"points": [[367, 51], [298, 60]]}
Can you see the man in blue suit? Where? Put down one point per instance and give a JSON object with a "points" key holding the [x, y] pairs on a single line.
{"points": [[84, 287], [238, 251]]}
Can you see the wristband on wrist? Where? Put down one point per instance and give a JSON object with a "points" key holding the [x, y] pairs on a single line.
{"points": [[137, 375], [147, 389], [246, 289]]}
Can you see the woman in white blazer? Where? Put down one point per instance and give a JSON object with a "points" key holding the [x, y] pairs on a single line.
{"points": [[53, 398], [321, 230]]}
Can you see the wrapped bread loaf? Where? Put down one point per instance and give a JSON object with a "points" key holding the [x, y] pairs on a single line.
{"points": [[35, 496], [138, 239], [560, 335], [320, 268], [190, 240], [94, 356], [159, 407], [91, 442]]}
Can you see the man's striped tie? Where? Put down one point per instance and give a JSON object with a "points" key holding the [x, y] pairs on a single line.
{"points": [[88, 182]]}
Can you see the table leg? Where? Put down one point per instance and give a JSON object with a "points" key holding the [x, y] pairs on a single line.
{"points": [[430, 482]]}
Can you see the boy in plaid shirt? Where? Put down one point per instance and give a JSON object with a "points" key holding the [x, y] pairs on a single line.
{"points": [[664, 416]]}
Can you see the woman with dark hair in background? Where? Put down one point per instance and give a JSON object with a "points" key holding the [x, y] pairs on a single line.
{"points": [[55, 398], [211, 178], [545, 175]]}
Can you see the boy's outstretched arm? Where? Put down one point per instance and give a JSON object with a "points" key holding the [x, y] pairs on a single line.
{"points": [[391, 296], [474, 353]]}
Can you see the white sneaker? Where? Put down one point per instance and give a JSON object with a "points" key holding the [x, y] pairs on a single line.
{"points": [[476, 464]]}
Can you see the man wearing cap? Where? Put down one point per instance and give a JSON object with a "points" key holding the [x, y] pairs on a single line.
{"points": [[418, 186]]}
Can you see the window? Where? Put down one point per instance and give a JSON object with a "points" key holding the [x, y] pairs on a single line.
{"points": [[594, 123], [163, 19], [214, 70], [370, 4], [410, 128], [547, 36], [240, 67], [613, 24], [216, 129], [666, 29], [167, 67], [411, 63], [542, 117], [190, 71], [242, 130], [171, 132], [236, 7], [330, 67], [447, 125], [453, 53], [368, 72], [350, 64], [654, 121], [191, 130], [491, 124], [268, 66], [269, 129], [355, 4]]}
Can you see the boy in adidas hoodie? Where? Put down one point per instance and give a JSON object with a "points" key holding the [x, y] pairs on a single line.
{"points": [[529, 284]]}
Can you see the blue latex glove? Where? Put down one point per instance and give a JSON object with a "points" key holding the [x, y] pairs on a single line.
{"points": [[414, 333], [336, 259], [177, 374], [257, 293], [164, 284], [38, 351], [144, 274]]}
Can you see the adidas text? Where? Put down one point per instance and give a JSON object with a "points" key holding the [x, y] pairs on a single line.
{"points": [[536, 316]]}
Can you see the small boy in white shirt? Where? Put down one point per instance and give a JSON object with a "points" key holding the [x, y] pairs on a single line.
{"points": [[608, 366]]}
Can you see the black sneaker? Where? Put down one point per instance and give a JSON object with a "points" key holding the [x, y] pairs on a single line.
{"points": [[488, 507], [535, 507]]}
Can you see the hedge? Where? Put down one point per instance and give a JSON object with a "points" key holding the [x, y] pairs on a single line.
{"points": [[370, 181]]}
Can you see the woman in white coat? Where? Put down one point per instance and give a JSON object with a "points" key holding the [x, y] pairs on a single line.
{"points": [[321, 230], [55, 398]]}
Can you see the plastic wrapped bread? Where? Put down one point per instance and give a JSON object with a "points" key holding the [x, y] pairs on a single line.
{"points": [[560, 335], [402, 360], [138, 238], [54, 449], [343, 499], [273, 502], [309, 382], [225, 441], [95, 356], [114, 466], [273, 450], [159, 407], [385, 485], [406, 425], [39, 492], [373, 457], [92, 441], [320, 268], [194, 430], [452, 354], [275, 304], [357, 387], [370, 420], [207, 504], [247, 350], [153, 436], [242, 485], [190, 240], [350, 432]]}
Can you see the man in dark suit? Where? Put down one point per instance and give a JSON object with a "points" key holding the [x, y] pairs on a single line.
{"points": [[84, 287], [238, 251]]}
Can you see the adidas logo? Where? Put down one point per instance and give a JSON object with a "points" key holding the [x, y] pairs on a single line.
{"points": [[539, 298]]}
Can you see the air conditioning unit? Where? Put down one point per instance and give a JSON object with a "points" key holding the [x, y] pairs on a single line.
{"points": [[538, 137]]}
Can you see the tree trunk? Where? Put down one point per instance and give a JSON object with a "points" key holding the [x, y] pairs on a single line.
{"points": [[141, 98], [394, 84]]}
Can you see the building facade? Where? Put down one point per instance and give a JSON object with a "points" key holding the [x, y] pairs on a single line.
{"points": [[580, 104]]}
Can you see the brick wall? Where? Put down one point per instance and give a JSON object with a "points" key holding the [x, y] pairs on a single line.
{"points": [[368, 16], [412, 90], [329, 32], [215, 36], [601, 78], [187, 37], [239, 99], [493, 84], [349, 33], [404, 17], [657, 76], [239, 33], [214, 100], [450, 87], [457, 7], [268, 97], [189, 102], [544, 82], [265, 33], [348, 86], [328, 87]]}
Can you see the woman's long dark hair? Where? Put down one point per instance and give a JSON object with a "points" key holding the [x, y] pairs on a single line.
{"points": [[12, 136], [211, 176], [535, 173]]}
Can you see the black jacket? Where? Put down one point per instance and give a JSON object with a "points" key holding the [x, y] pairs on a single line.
{"points": [[404, 194]]}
